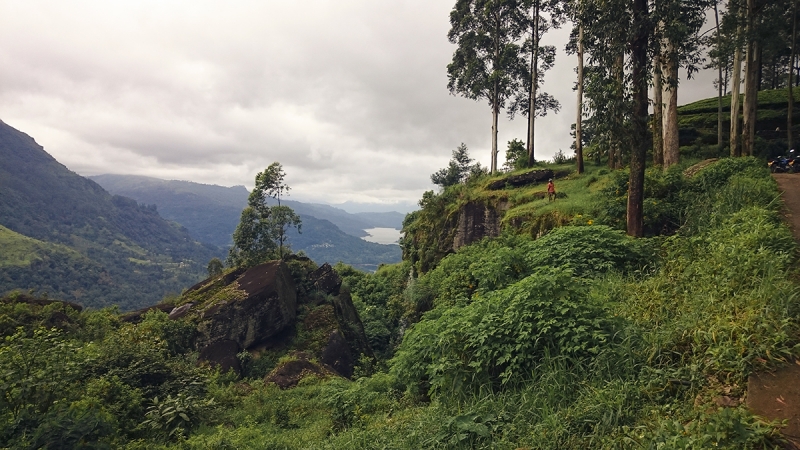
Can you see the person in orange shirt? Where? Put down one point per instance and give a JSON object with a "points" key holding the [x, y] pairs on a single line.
{"points": [[551, 190]]}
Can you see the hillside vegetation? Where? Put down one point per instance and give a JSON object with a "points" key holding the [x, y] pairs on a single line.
{"points": [[74, 241], [563, 334], [698, 124]]}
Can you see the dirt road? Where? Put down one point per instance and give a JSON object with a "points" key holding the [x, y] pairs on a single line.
{"points": [[776, 395], [789, 185]]}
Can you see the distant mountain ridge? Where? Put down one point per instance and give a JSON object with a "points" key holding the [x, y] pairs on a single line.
{"points": [[211, 213], [131, 255]]}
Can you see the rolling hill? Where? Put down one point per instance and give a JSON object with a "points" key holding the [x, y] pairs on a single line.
{"points": [[81, 243], [210, 213]]}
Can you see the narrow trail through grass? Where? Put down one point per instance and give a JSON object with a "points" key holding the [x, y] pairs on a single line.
{"points": [[776, 395]]}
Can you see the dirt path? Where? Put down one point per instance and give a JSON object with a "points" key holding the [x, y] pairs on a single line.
{"points": [[776, 395], [789, 185]]}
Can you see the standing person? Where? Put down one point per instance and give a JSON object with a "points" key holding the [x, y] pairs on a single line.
{"points": [[551, 190]]}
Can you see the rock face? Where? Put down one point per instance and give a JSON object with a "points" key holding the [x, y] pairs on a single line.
{"points": [[532, 177], [261, 306], [477, 221], [338, 355], [222, 354]]}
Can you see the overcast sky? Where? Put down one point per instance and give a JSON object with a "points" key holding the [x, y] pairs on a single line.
{"points": [[349, 95]]}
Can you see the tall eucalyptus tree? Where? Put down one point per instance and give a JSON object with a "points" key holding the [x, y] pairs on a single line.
{"points": [[488, 62], [678, 44]]}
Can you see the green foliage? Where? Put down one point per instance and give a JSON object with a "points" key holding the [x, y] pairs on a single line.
{"points": [[457, 171], [500, 338], [35, 366], [215, 267], [589, 250], [172, 417], [516, 155], [261, 233], [733, 428]]}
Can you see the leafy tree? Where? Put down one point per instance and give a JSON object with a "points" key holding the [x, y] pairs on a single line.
{"points": [[516, 155], [457, 171], [215, 267], [261, 233], [488, 62], [541, 60]]}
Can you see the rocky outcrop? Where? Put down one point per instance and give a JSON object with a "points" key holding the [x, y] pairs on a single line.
{"points": [[138, 315], [258, 305], [351, 326], [326, 280], [222, 354], [524, 179], [337, 354], [476, 221], [288, 374]]}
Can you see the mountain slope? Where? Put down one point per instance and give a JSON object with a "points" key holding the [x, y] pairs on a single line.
{"points": [[211, 214], [140, 256]]}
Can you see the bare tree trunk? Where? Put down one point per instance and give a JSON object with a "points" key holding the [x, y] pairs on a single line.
{"points": [[534, 83], [615, 152], [658, 113], [790, 109], [635, 210], [578, 135], [719, 80], [750, 89], [671, 138], [736, 82], [495, 114]]}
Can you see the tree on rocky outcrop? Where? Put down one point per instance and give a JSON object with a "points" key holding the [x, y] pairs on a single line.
{"points": [[261, 233], [488, 61], [214, 267]]}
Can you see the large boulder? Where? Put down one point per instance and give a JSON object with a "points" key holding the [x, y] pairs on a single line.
{"points": [[326, 280], [222, 354], [259, 304]]}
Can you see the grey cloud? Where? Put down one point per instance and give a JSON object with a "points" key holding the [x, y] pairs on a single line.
{"points": [[350, 96]]}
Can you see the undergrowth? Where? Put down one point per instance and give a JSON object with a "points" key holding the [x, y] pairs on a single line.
{"points": [[580, 338]]}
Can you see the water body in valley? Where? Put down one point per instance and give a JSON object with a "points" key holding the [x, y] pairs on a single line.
{"points": [[382, 235]]}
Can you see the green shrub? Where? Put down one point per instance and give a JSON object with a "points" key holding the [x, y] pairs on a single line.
{"points": [[499, 339], [588, 250]]}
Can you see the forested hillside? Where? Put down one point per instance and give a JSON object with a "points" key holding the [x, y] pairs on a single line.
{"points": [[123, 253]]}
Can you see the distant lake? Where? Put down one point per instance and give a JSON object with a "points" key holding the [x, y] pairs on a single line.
{"points": [[382, 235]]}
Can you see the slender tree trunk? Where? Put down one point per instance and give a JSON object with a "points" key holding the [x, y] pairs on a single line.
{"points": [[495, 114], [790, 109], [534, 83], [736, 82], [719, 74], [750, 87], [579, 118], [615, 152], [635, 211], [671, 137], [658, 113], [750, 91]]}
